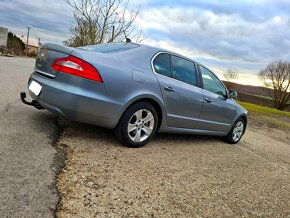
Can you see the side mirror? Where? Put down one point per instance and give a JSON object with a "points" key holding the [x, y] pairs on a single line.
{"points": [[233, 94]]}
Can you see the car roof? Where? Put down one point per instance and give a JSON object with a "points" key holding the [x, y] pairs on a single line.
{"points": [[161, 50], [104, 48]]}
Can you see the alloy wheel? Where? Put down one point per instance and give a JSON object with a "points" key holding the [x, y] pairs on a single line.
{"points": [[140, 125], [238, 131]]}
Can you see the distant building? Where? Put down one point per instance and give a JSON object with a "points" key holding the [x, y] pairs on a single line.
{"points": [[32, 47], [3, 36]]}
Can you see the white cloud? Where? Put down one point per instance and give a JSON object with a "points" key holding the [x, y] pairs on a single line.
{"points": [[244, 34], [225, 36]]}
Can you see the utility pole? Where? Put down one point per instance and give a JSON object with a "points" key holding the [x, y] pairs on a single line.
{"points": [[28, 29], [39, 43]]}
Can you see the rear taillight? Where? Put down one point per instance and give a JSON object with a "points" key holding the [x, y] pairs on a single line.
{"points": [[77, 67]]}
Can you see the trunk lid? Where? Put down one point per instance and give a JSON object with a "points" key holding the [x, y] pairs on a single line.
{"points": [[46, 56]]}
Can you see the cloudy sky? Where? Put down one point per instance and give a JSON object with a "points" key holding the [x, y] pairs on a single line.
{"points": [[244, 35]]}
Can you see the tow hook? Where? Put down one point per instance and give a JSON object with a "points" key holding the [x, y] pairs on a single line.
{"points": [[32, 103]]}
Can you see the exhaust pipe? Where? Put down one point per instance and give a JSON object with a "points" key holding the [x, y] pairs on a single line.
{"points": [[32, 103]]}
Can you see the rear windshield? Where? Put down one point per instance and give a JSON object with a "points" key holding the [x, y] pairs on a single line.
{"points": [[110, 47]]}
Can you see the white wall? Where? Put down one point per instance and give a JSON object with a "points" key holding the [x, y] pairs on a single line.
{"points": [[3, 36]]}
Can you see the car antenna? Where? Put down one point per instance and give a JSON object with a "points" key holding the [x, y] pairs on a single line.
{"points": [[128, 40]]}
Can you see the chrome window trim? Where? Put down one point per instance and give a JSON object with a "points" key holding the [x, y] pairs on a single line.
{"points": [[171, 53]]}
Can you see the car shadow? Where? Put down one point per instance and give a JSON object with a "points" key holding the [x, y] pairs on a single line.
{"points": [[92, 132]]}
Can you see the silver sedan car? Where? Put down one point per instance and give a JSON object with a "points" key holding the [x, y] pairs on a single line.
{"points": [[137, 90]]}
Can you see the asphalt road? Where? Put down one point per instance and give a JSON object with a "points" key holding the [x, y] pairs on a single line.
{"points": [[27, 158]]}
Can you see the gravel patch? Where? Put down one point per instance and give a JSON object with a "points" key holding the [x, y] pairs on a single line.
{"points": [[172, 176]]}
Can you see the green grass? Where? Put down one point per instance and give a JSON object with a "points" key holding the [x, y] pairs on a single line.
{"points": [[260, 96], [267, 115], [263, 109]]}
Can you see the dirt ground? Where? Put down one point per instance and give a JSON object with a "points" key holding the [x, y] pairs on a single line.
{"points": [[174, 175]]}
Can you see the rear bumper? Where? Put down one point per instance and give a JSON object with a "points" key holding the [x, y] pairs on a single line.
{"points": [[77, 99]]}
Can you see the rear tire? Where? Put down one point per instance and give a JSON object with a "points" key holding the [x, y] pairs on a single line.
{"points": [[237, 131], [137, 125]]}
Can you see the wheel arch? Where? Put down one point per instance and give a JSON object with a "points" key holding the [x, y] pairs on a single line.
{"points": [[154, 101], [243, 116]]}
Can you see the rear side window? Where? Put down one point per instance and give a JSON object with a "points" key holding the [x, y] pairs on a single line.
{"points": [[183, 70], [161, 64], [110, 47]]}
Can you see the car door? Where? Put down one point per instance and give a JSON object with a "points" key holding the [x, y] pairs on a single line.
{"points": [[183, 99], [218, 111]]}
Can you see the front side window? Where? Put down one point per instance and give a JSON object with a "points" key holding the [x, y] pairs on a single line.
{"points": [[183, 70], [161, 64], [211, 82]]}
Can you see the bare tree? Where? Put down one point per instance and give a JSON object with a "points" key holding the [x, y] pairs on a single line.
{"points": [[82, 33], [230, 75], [276, 79], [99, 21]]}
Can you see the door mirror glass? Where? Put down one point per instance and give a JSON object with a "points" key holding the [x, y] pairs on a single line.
{"points": [[233, 94]]}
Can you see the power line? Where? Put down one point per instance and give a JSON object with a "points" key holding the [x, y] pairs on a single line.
{"points": [[49, 11], [39, 20], [36, 26], [29, 15], [46, 35]]}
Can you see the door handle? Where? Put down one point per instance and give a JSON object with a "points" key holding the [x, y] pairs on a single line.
{"points": [[208, 100], [168, 88]]}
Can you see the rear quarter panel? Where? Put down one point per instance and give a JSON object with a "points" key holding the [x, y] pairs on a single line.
{"points": [[117, 71]]}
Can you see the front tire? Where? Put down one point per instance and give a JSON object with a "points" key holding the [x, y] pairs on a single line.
{"points": [[237, 131], [137, 125]]}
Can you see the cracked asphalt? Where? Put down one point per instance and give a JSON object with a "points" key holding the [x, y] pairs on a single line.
{"points": [[28, 162]]}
